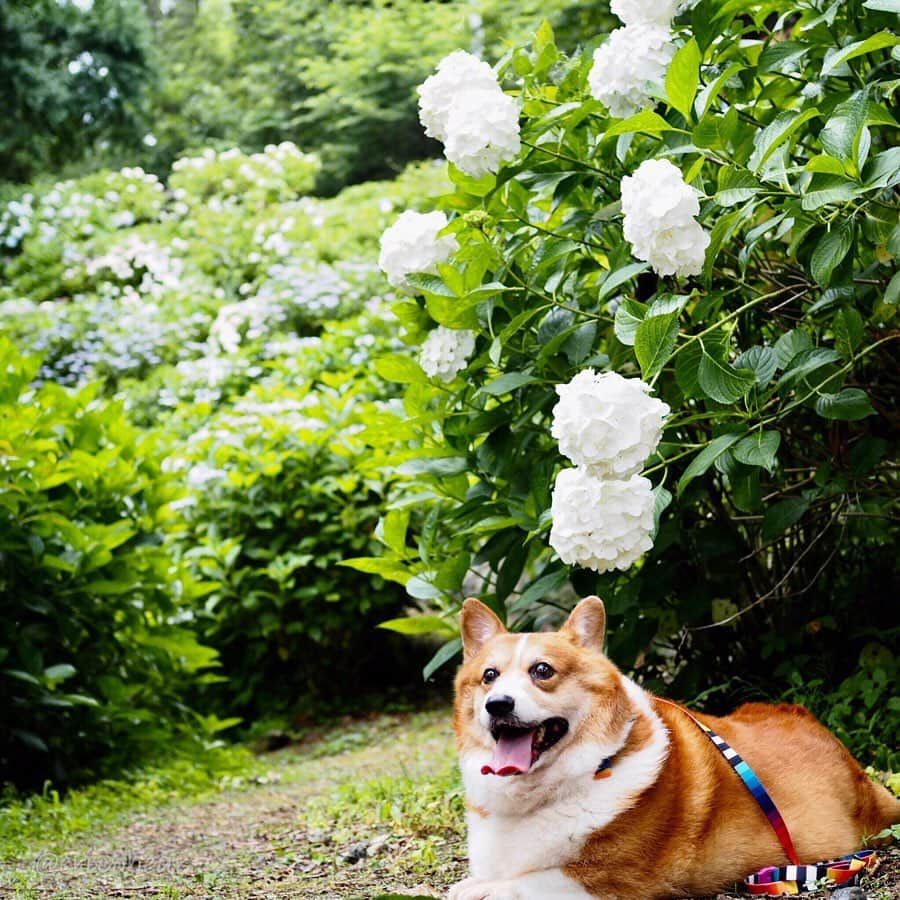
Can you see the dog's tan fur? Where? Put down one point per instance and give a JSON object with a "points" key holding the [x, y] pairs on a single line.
{"points": [[688, 826]]}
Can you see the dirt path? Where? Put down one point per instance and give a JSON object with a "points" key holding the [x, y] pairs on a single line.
{"points": [[287, 834], [361, 810]]}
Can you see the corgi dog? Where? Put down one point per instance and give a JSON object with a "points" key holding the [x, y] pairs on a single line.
{"points": [[581, 784]]}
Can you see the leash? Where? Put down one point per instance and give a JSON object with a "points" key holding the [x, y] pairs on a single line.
{"points": [[774, 881]]}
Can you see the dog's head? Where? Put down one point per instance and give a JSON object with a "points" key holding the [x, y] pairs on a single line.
{"points": [[523, 699]]}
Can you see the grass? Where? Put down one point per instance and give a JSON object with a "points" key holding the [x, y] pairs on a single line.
{"points": [[47, 820]]}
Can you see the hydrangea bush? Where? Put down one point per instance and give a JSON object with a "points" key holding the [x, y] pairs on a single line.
{"points": [[202, 373], [697, 253]]}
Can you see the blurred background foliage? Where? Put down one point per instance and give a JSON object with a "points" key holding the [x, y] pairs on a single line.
{"points": [[120, 82]]}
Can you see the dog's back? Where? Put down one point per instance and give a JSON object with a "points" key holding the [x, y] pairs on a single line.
{"points": [[703, 825]]}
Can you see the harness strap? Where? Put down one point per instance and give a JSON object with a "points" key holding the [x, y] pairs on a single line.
{"points": [[776, 881], [751, 782]]}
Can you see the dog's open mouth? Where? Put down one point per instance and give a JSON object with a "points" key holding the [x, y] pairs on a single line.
{"points": [[519, 745]]}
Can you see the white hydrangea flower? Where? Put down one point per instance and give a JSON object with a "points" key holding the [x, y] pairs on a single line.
{"points": [[412, 244], [446, 352], [601, 524], [606, 423], [629, 65], [482, 131], [457, 73], [463, 106], [645, 12], [659, 209]]}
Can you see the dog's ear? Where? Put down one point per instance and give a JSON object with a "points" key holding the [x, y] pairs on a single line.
{"points": [[478, 625], [586, 625]]}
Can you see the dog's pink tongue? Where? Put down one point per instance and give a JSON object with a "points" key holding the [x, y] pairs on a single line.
{"points": [[512, 755]]}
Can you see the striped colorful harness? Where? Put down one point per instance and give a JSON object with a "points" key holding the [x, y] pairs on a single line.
{"points": [[793, 879]]}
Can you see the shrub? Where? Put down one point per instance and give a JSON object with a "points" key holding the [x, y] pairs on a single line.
{"points": [[283, 490], [92, 655], [752, 286]]}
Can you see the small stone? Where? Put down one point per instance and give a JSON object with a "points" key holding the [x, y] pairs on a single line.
{"points": [[847, 893], [355, 853]]}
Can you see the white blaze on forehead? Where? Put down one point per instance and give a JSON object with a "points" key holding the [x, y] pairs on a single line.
{"points": [[521, 646]]}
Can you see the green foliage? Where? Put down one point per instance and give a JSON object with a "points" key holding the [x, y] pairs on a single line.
{"points": [[285, 491], [91, 655], [338, 78], [237, 333], [775, 360], [70, 79]]}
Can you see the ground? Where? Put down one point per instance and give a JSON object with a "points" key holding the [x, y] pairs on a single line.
{"points": [[361, 809]]}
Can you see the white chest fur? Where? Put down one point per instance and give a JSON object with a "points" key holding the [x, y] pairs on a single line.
{"points": [[541, 820]]}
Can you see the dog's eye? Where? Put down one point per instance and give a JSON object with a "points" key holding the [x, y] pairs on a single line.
{"points": [[541, 671], [490, 675]]}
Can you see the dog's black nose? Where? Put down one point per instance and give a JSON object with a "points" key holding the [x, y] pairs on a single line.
{"points": [[500, 706]]}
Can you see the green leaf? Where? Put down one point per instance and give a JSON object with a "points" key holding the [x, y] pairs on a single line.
{"points": [[724, 227], [721, 382], [883, 170], [804, 364], [421, 589], [824, 190], [892, 291], [555, 323], [706, 96], [59, 672], [439, 466], [647, 122], [790, 344], [391, 530], [443, 655], [430, 284], [776, 133], [758, 449], [780, 54], [667, 303], [661, 500], [836, 57], [782, 515], [833, 246], [762, 361], [848, 330], [682, 78], [579, 344], [378, 565], [847, 405], [419, 625], [399, 369], [539, 589], [620, 276], [453, 312], [706, 457], [843, 126], [687, 363], [629, 316], [654, 342], [889, 6], [735, 186], [30, 739], [507, 382]]}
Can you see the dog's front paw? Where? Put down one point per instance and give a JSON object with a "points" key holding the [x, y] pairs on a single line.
{"points": [[476, 889]]}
